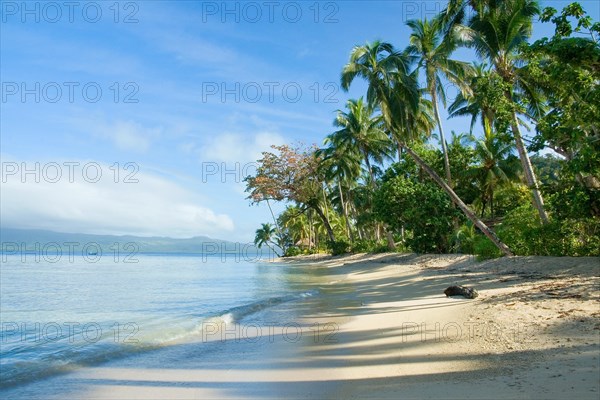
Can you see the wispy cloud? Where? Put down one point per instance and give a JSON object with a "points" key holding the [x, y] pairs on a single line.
{"points": [[238, 147], [130, 135], [151, 206]]}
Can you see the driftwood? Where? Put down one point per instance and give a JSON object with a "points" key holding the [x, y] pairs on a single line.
{"points": [[464, 291]]}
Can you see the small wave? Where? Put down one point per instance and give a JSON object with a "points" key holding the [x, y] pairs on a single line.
{"points": [[236, 314], [20, 368], [63, 361]]}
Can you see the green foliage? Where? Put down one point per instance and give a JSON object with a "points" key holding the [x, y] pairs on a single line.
{"points": [[292, 251], [547, 168], [420, 207], [462, 158], [566, 69], [464, 239], [511, 196], [570, 237], [343, 190], [338, 247], [485, 249], [370, 246], [570, 201], [562, 22]]}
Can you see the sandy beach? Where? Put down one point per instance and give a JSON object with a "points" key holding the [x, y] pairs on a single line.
{"points": [[381, 328]]}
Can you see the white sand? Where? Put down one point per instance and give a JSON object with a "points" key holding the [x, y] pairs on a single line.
{"points": [[382, 328]]}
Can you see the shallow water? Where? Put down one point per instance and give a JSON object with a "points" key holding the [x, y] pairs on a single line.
{"points": [[61, 316]]}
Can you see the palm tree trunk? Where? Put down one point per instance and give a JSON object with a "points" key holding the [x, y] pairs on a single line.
{"points": [[348, 228], [273, 249], [325, 203], [311, 238], [274, 219], [370, 170], [390, 240], [399, 153], [465, 209], [538, 201], [326, 223], [438, 119]]}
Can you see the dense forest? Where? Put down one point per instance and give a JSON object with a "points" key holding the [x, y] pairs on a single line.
{"points": [[523, 179]]}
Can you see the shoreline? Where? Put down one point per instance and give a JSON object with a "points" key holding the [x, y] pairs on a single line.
{"points": [[381, 327]]}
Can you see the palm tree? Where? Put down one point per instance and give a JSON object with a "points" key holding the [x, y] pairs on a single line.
{"points": [[390, 85], [475, 104], [496, 30], [387, 74], [296, 222], [496, 166], [433, 49], [361, 133], [341, 165], [265, 235]]}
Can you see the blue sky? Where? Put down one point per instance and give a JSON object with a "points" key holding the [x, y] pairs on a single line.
{"points": [[171, 102]]}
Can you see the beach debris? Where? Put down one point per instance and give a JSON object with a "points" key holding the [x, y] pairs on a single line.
{"points": [[464, 291]]}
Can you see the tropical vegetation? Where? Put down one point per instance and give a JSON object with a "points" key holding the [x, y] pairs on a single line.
{"points": [[523, 179]]}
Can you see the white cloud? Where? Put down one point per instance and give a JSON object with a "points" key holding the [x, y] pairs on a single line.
{"points": [[238, 148], [152, 206], [129, 135]]}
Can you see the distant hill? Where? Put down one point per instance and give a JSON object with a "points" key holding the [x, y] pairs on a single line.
{"points": [[35, 239]]}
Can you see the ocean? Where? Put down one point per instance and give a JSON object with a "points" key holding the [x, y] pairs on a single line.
{"points": [[61, 314]]}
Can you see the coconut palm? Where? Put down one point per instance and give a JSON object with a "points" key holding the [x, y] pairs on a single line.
{"points": [[265, 235], [387, 73], [296, 222], [390, 85], [341, 165], [495, 31], [361, 133], [475, 104], [496, 166], [433, 49]]}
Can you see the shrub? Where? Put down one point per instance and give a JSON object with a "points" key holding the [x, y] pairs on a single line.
{"points": [[338, 247], [292, 251], [464, 238], [485, 249], [422, 208], [523, 232]]}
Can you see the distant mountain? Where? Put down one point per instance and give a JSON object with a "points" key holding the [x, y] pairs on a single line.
{"points": [[36, 240]]}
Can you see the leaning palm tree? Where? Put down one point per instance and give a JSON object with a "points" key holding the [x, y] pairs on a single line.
{"points": [[433, 49], [265, 235], [391, 87], [496, 30]]}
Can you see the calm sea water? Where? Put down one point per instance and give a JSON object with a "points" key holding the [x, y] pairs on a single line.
{"points": [[58, 316]]}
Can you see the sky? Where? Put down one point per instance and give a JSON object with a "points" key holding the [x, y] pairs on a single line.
{"points": [[143, 117]]}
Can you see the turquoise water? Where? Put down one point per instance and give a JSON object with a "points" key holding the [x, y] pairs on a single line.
{"points": [[59, 316]]}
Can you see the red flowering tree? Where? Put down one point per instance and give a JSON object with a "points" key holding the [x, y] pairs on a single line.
{"points": [[290, 173]]}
